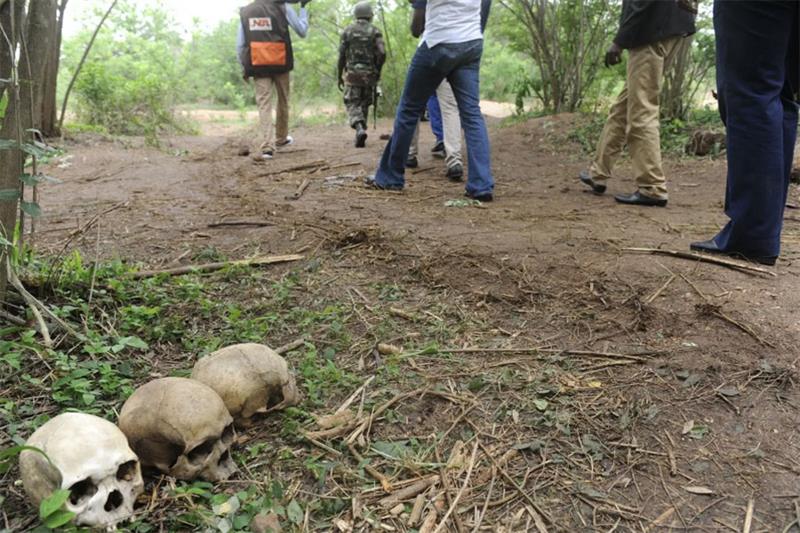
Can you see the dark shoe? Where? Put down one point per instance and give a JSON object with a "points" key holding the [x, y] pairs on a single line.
{"points": [[638, 198], [370, 182], [488, 197], [455, 173], [597, 188], [361, 137], [412, 162], [710, 247], [438, 150]]}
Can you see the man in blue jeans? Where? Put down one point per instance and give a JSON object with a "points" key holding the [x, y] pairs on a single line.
{"points": [[451, 49], [758, 79]]}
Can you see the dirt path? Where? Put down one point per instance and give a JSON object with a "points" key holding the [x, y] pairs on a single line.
{"points": [[704, 395]]}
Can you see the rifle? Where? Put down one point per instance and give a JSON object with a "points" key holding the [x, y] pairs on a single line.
{"points": [[376, 93]]}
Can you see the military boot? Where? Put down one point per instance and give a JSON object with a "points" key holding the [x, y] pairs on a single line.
{"points": [[361, 135]]}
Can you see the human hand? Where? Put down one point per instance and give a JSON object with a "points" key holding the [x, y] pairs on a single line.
{"points": [[613, 55], [341, 85]]}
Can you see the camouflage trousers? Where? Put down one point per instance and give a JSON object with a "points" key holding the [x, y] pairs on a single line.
{"points": [[358, 99]]}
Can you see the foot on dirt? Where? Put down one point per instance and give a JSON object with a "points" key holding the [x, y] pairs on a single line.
{"points": [[710, 247], [455, 173], [288, 141], [361, 138], [586, 178], [412, 162], [486, 197], [370, 182], [438, 150], [638, 198], [266, 155]]}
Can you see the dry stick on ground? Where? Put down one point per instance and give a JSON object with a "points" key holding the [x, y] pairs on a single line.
{"points": [[214, 267], [240, 223], [460, 494], [300, 190], [15, 320], [511, 480], [409, 492], [717, 312], [743, 267], [36, 306], [286, 348], [656, 294], [371, 470], [296, 168], [748, 518]]}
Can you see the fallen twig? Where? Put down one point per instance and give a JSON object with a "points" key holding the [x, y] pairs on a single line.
{"points": [[748, 518], [300, 190], [296, 168], [15, 320], [286, 348], [240, 223], [214, 267], [735, 265], [460, 494], [371, 470], [409, 492]]}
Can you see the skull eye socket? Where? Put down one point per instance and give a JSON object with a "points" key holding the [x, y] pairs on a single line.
{"points": [[200, 453], [127, 471], [114, 501], [225, 457], [274, 399], [82, 490], [228, 435]]}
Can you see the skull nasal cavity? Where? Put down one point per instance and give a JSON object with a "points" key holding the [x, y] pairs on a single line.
{"points": [[114, 501], [127, 471], [225, 457], [82, 490], [201, 452]]}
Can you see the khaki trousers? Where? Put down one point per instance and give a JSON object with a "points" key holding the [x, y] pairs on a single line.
{"points": [[634, 120], [451, 126], [266, 91]]}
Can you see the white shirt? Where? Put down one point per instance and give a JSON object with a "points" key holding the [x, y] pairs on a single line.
{"points": [[452, 21]]}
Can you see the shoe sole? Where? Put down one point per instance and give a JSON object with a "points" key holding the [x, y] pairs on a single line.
{"points": [[766, 261], [596, 188], [642, 204]]}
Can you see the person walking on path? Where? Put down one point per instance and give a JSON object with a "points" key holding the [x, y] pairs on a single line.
{"points": [[651, 31], [451, 49], [361, 57], [264, 47], [758, 79]]}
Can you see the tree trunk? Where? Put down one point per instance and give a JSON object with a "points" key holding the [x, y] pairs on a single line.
{"points": [[34, 48], [5, 51], [49, 115]]}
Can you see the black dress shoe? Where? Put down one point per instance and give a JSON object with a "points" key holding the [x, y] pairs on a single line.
{"points": [[586, 178], [370, 182], [488, 197], [412, 162], [710, 247], [638, 198]]}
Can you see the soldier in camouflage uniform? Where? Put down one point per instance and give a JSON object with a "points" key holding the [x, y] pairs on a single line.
{"points": [[361, 57]]}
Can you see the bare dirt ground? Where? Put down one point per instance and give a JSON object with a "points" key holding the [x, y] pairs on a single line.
{"points": [[600, 389]]}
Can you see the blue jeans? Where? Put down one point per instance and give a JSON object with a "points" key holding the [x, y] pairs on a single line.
{"points": [[757, 76], [435, 114], [460, 64]]}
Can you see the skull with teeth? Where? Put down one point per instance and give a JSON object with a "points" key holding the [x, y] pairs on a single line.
{"points": [[180, 427], [250, 379], [89, 457]]}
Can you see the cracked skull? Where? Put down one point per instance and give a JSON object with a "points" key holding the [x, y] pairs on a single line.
{"points": [[250, 378], [90, 458], [180, 427]]}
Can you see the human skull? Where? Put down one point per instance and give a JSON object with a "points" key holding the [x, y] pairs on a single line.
{"points": [[250, 378], [180, 427], [90, 458]]}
